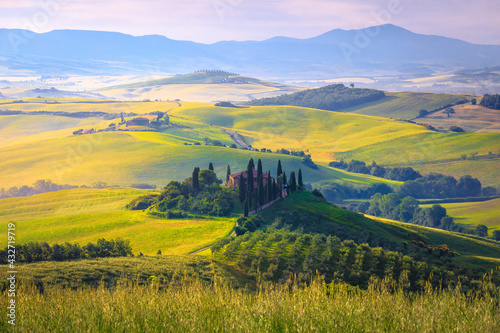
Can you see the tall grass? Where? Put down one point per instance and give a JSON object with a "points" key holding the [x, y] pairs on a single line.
{"points": [[196, 307]]}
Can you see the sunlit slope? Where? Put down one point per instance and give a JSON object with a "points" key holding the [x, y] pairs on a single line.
{"points": [[487, 171], [16, 129], [86, 215], [121, 158], [86, 105], [328, 135], [405, 105], [475, 213]]}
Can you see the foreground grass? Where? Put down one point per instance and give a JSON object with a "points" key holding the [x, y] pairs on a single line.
{"points": [[194, 307]]}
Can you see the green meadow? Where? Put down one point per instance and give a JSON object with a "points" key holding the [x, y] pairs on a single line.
{"points": [[475, 213], [405, 105], [328, 135]]}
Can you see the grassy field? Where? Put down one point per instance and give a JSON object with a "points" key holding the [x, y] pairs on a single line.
{"points": [[124, 158], [199, 307], [85, 105], [85, 215], [475, 213], [405, 105], [471, 250], [487, 171], [110, 272], [472, 118], [330, 135]]}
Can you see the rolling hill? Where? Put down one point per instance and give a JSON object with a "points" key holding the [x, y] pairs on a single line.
{"points": [[85, 215]]}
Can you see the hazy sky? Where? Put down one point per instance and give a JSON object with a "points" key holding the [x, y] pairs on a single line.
{"points": [[208, 21]]}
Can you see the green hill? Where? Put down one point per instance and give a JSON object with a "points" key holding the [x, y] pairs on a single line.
{"points": [[332, 135], [200, 77], [86, 215], [405, 105], [321, 216], [332, 97]]}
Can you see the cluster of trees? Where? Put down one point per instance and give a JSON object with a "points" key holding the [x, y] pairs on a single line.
{"points": [[280, 255], [491, 101], [199, 194], [252, 192], [335, 192], [39, 186], [34, 251], [407, 209], [397, 173], [436, 185], [332, 97]]}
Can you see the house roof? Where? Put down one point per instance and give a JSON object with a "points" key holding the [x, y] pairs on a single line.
{"points": [[244, 173]]}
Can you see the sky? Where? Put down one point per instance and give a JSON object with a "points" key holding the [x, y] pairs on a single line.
{"points": [[209, 21]]}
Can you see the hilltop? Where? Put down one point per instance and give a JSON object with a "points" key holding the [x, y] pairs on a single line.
{"points": [[202, 86]]}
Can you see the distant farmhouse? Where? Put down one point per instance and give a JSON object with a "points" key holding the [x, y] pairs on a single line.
{"points": [[234, 179]]}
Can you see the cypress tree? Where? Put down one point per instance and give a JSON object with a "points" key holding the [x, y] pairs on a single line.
{"points": [[269, 185], [262, 193], [228, 172], [259, 169], [211, 166], [245, 209], [299, 180], [251, 163], [280, 170], [293, 182], [241, 188], [250, 169], [196, 181], [275, 190]]}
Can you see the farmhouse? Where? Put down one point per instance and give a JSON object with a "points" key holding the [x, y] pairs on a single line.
{"points": [[234, 179]]}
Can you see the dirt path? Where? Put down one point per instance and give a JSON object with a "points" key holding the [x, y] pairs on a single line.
{"points": [[234, 137]]}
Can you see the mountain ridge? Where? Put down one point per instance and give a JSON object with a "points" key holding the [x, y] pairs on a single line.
{"points": [[385, 48]]}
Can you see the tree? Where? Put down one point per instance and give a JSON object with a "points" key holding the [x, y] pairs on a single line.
{"points": [[299, 180], [261, 192], [473, 101], [293, 182], [121, 117], [196, 182], [251, 163], [228, 172], [245, 209], [269, 187], [481, 230], [158, 253], [422, 113], [207, 178], [468, 186], [280, 170], [211, 166], [250, 168], [166, 119], [496, 235], [241, 188], [159, 116], [259, 168], [449, 111], [351, 85]]}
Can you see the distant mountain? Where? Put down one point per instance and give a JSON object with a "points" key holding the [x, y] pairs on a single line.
{"points": [[376, 50]]}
